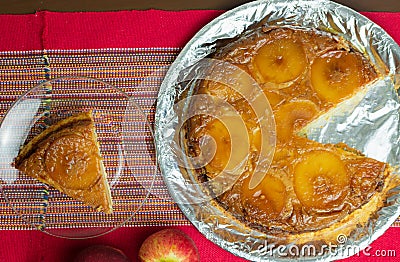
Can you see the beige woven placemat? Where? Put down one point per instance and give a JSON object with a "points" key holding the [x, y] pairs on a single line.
{"points": [[138, 72]]}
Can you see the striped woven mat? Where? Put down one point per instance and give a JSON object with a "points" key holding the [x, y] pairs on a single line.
{"points": [[131, 70]]}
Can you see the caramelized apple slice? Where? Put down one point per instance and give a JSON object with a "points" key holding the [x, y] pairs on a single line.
{"points": [[336, 75], [280, 60], [70, 156], [270, 195], [217, 130], [292, 116], [227, 131], [321, 180]]}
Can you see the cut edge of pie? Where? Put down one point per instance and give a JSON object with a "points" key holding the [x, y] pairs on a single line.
{"points": [[67, 157], [358, 218], [330, 235]]}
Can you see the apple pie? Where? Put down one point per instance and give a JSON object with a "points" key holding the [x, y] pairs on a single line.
{"points": [[66, 156], [311, 189]]}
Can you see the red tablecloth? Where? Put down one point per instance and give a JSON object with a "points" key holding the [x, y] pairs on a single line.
{"points": [[126, 29]]}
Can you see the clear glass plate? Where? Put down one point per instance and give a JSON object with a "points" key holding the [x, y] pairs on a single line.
{"points": [[126, 145]]}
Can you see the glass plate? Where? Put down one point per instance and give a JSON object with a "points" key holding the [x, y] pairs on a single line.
{"points": [[125, 139]]}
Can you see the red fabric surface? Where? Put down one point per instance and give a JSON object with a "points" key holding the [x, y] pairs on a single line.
{"points": [[20, 32], [151, 28], [52, 30], [34, 246]]}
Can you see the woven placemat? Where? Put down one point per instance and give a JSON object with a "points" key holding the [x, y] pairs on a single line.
{"points": [[138, 72]]}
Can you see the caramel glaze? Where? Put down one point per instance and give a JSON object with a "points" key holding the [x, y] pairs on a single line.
{"points": [[309, 185], [365, 177], [66, 156]]}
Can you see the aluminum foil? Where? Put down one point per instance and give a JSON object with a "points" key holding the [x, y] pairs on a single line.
{"points": [[370, 122]]}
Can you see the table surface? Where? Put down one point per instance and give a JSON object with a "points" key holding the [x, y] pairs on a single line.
{"points": [[30, 6], [36, 246]]}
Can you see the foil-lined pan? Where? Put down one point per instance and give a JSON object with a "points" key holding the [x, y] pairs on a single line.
{"points": [[370, 122]]}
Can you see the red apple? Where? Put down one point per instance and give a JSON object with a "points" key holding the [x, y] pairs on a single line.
{"points": [[101, 253], [169, 245]]}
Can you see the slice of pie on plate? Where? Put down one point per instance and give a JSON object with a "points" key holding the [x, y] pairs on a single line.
{"points": [[66, 156]]}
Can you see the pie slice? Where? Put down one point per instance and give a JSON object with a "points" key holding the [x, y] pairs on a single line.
{"points": [[66, 156]]}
